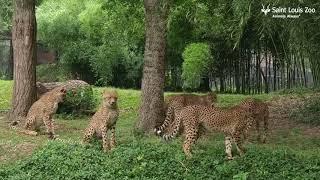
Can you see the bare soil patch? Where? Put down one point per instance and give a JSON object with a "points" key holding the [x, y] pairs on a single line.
{"points": [[280, 109]]}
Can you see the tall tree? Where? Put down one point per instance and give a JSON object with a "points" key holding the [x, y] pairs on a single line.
{"points": [[24, 57], [151, 109]]}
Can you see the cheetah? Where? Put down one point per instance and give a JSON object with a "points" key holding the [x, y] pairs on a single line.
{"points": [[232, 122], [260, 115], [103, 120], [174, 104], [42, 111]]}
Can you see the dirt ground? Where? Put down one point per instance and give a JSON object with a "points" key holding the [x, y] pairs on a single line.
{"points": [[280, 109]]}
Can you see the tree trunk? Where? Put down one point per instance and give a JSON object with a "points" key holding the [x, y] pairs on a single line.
{"points": [[151, 109], [237, 75], [10, 68], [24, 57]]}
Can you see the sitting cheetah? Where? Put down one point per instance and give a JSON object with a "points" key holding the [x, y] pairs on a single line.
{"points": [[174, 104], [232, 122], [103, 120], [41, 112]]}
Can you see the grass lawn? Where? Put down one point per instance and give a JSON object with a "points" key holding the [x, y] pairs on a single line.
{"points": [[5, 94], [288, 154]]}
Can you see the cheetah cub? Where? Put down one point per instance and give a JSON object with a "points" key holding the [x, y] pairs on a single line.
{"points": [[103, 120], [41, 113]]}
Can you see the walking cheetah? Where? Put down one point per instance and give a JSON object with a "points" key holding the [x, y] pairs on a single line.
{"points": [[41, 113], [174, 104], [232, 122], [103, 120]]}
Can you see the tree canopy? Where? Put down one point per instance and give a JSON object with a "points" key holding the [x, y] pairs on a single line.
{"points": [[103, 42]]}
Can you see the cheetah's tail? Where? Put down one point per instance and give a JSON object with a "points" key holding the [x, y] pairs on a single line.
{"points": [[159, 131], [175, 130]]}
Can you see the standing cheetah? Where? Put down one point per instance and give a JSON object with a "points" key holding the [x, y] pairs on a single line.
{"points": [[260, 115], [232, 122], [174, 104], [103, 120]]}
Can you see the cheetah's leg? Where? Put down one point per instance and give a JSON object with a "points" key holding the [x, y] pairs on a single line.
{"points": [[30, 123], [237, 140], [88, 135], [47, 120], [113, 138], [190, 138], [228, 144], [29, 127], [105, 140]]}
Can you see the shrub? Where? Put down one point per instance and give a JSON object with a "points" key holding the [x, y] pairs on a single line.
{"points": [[196, 60], [143, 160], [78, 102], [309, 113]]}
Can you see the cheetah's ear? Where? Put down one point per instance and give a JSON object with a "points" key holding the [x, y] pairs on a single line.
{"points": [[110, 92]]}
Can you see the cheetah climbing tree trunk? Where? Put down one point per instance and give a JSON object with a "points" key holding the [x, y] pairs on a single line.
{"points": [[151, 108], [24, 58]]}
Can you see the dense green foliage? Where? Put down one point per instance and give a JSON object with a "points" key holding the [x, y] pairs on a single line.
{"points": [[196, 59], [78, 102], [6, 11], [52, 73], [141, 160], [99, 40], [102, 42]]}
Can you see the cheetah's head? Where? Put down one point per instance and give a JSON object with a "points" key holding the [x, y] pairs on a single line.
{"points": [[63, 92], [110, 98], [211, 97]]}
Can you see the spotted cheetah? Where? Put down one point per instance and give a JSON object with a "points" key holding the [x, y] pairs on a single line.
{"points": [[41, 113], [260, 115], [103, 120], [174, 104], [232, 122]]}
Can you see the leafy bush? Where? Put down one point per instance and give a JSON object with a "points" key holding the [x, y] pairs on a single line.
{"points": [[196, 60], [309, 113], [78, 102], [142, 160]]}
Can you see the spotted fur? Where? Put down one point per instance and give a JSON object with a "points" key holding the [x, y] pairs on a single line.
{"points": [[232, 122], [41, 113], [260, 111], [174, 104], [103, 120]]}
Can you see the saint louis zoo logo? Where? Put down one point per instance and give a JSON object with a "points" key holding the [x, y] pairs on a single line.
{"points": [[286, 12], [264, 10]]}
